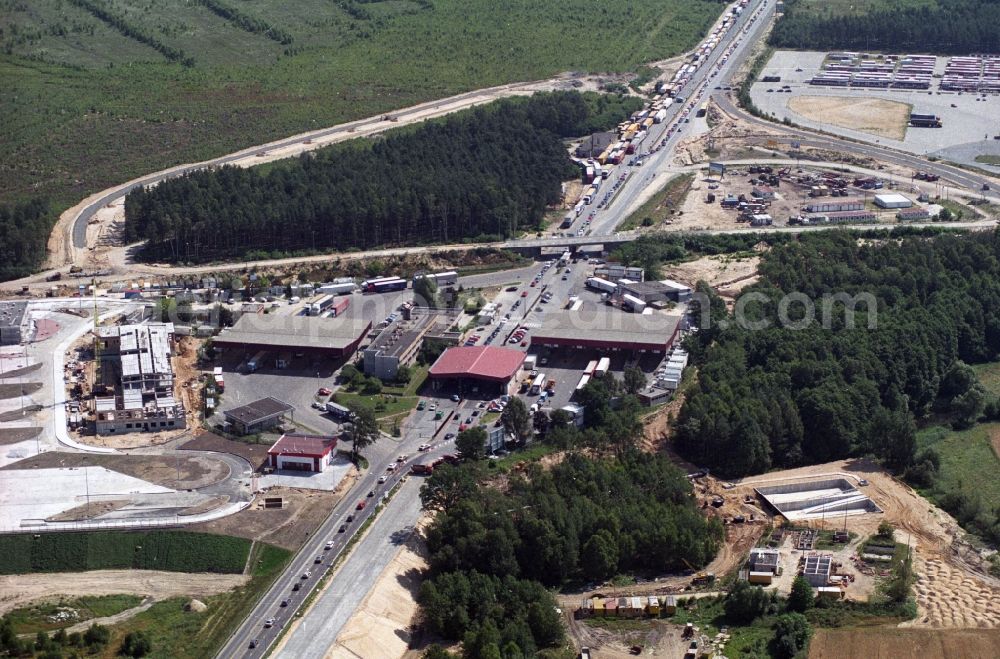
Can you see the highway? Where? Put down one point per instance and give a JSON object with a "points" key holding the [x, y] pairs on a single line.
{"points": [[401, 513]]}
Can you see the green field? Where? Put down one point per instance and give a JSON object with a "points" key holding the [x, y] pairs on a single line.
{"points": [[90, 99], [383, 405], [988, 160], [38, 617], [969, 463], [176, 551], [178, 633]]}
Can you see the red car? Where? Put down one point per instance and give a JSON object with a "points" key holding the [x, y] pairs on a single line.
{"points": [[323, 391], [361, 505], [524, 293]]}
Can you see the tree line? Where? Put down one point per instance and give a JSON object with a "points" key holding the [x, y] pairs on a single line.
{"points": [[24, 234], [958, 27], [781, 397], [482, 174]]}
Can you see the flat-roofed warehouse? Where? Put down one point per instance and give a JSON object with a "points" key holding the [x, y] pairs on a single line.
{"points": [[607, 329], [491, 367], [334, 337], [259, 415]]}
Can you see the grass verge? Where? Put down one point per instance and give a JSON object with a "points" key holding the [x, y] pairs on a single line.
{"points": [[661, 205]]}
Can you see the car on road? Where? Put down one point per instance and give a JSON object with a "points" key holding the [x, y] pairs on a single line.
{"points": [[361, 505], [381, 479], [401, 457], [423, 447], [285, 602], [254, 643], [391, 467], [455, 398], [318, 560], [269, 623], [371, 494], [296, 586], [524, 293], [343, 528], [421, 405], [306, 574], [511, 289], [350, 518], [447, 436], [328, 545], [323, 391]]}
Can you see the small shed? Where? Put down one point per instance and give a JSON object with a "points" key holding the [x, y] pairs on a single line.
{"points": [[598, 607], [611, 607], [653, 605], [670, 605]]}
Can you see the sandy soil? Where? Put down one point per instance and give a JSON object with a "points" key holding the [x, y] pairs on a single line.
{"points": [[187, 380], [892, 642], [288, 527], [381, 626], [874, 116], [185, 472], [726, 274], [18, 590], [953, 589]]}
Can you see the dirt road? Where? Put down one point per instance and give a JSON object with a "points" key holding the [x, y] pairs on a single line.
{"points": [[18, 590]]}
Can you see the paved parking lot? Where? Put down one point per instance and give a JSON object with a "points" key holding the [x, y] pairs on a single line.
{"points": [[968, 128]]}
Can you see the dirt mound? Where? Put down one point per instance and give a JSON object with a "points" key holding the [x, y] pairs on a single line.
{"points": [[892, 642], [196, 605]]}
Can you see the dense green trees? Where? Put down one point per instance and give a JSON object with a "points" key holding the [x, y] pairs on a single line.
{"points": [[486, 172], [24, 233], [781, 397], [957, 27], [493, 551]]}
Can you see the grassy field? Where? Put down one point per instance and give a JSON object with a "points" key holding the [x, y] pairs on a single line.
{"points": [[176, 551], [989, 376], [660, 206], [989, 160], [176, 632], [93, 98], [383, 405], [36, 618], [969, 462]]}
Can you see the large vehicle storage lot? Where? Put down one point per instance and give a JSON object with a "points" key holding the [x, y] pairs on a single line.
{"points": [[968, 128]]}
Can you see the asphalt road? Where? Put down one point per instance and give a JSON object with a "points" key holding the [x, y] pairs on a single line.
{"points": [[318, 628], [379, 456]]}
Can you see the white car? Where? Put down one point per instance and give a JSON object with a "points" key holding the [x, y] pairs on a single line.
{"points": [[423, 447], [391, 467], [329, 544], [381, 479], [269, 623]]}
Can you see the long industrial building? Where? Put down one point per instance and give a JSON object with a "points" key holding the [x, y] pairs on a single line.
{"points": [[607, 329], [333, 337]]}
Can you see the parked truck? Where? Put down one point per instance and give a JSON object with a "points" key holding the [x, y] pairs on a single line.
{"points": [[254, 363], [602, 285], [603, 366]]}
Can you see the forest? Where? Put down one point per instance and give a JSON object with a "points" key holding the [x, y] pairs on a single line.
{"points": [[957, 27], [24, 234], [482, 174], [784, 396], [497, 543]]}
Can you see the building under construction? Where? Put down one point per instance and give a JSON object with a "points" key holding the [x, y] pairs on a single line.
{"points": [[135, 391]]}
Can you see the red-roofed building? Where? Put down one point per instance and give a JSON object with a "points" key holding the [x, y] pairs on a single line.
{"points": [[478, 366], [302, 453]]}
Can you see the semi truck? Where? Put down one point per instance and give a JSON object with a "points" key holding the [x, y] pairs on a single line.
{"points": [[321, 305], [603, 366], [537, 384], [602, 285], [383, 285], [442, 279], [254, 363]]}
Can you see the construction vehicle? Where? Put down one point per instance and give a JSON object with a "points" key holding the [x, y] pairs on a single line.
{"points": [[688, 631], [703, 578]]}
